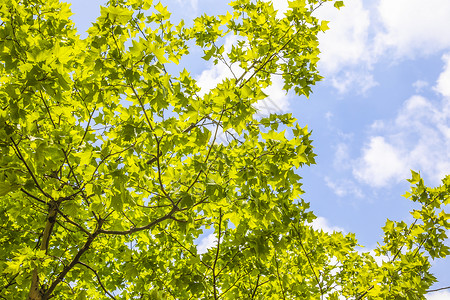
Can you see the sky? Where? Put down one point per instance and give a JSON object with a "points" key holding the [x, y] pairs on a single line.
{"points": [[382, 109]]}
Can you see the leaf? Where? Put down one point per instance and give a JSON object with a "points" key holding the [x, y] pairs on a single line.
{"points": [[7, 187], [339, 4], [324, 25]]}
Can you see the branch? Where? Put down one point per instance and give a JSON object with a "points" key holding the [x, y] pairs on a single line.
{"points": [[20, 156], [10, 282], [73, 222], [137, 229], [190, 252], [32, 196], [217, 254], [234, 283], [309, 261], [74, 261], [98, 278], [158, 162], [256, 286], [440, 289], [209, 151], [278, 277]]}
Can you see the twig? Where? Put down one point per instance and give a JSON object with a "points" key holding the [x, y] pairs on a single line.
{"points": [[309, 261], [439, 289]]}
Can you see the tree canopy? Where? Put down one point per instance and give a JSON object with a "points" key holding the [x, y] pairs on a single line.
{"points": [[111, 168]]}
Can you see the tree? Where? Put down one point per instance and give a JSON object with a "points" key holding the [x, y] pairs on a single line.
{"points": [[111, 167]]}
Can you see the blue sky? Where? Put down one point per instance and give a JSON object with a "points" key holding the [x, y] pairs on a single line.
{"points": [[382, 109]]}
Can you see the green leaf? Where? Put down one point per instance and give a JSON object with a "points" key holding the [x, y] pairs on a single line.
{"points": [[339, 4], [7, 187]]}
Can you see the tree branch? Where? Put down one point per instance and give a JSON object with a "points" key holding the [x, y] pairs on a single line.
{"points": [[98, 279], [217, 254], [309, 261], [439, 289], [20, 156], [74, 261], [137, 229]]}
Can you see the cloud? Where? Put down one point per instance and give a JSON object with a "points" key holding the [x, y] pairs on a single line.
{"points": [[441, 295], [418, 138], [346, 56], [411, 27], [344, 187], [207, 242], [443, 82], [277, 100], [380, 163], [281, 6], [320, 223], [192, 3], [346, 42], [359, 80], [419, 85], [360, 36]]}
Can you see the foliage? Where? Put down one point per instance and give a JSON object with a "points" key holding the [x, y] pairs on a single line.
{"points": [[111, 168]]}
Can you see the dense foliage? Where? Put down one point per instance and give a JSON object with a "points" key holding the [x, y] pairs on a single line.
{"points": [[111, 167]]}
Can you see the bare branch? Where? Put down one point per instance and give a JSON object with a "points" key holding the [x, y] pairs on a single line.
{"points": [[439, 289]]}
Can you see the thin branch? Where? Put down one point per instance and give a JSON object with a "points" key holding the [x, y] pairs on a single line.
{"points": [[98, 279], [47, 108], [74, 261], [209, 151], [32, 196], [137, 229], [20, 156], [439, 289], [217, 254], [278, 277], [234, 283], [10, 282], [158, 162], [256, 286], [309, 261], [73, 222], [188, 250]]}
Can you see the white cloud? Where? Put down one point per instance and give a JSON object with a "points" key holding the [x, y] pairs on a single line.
{"points": [[378, 259], [418, 138], [419, 85], [443, 82], [341, 157], [206, 242], [280, 5], [380, 164], [344, 187], [413, 26], [322, 223], [359, 36], [346, 42], [441, 295], [359, 80], [192, 3], [346, 56]]}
